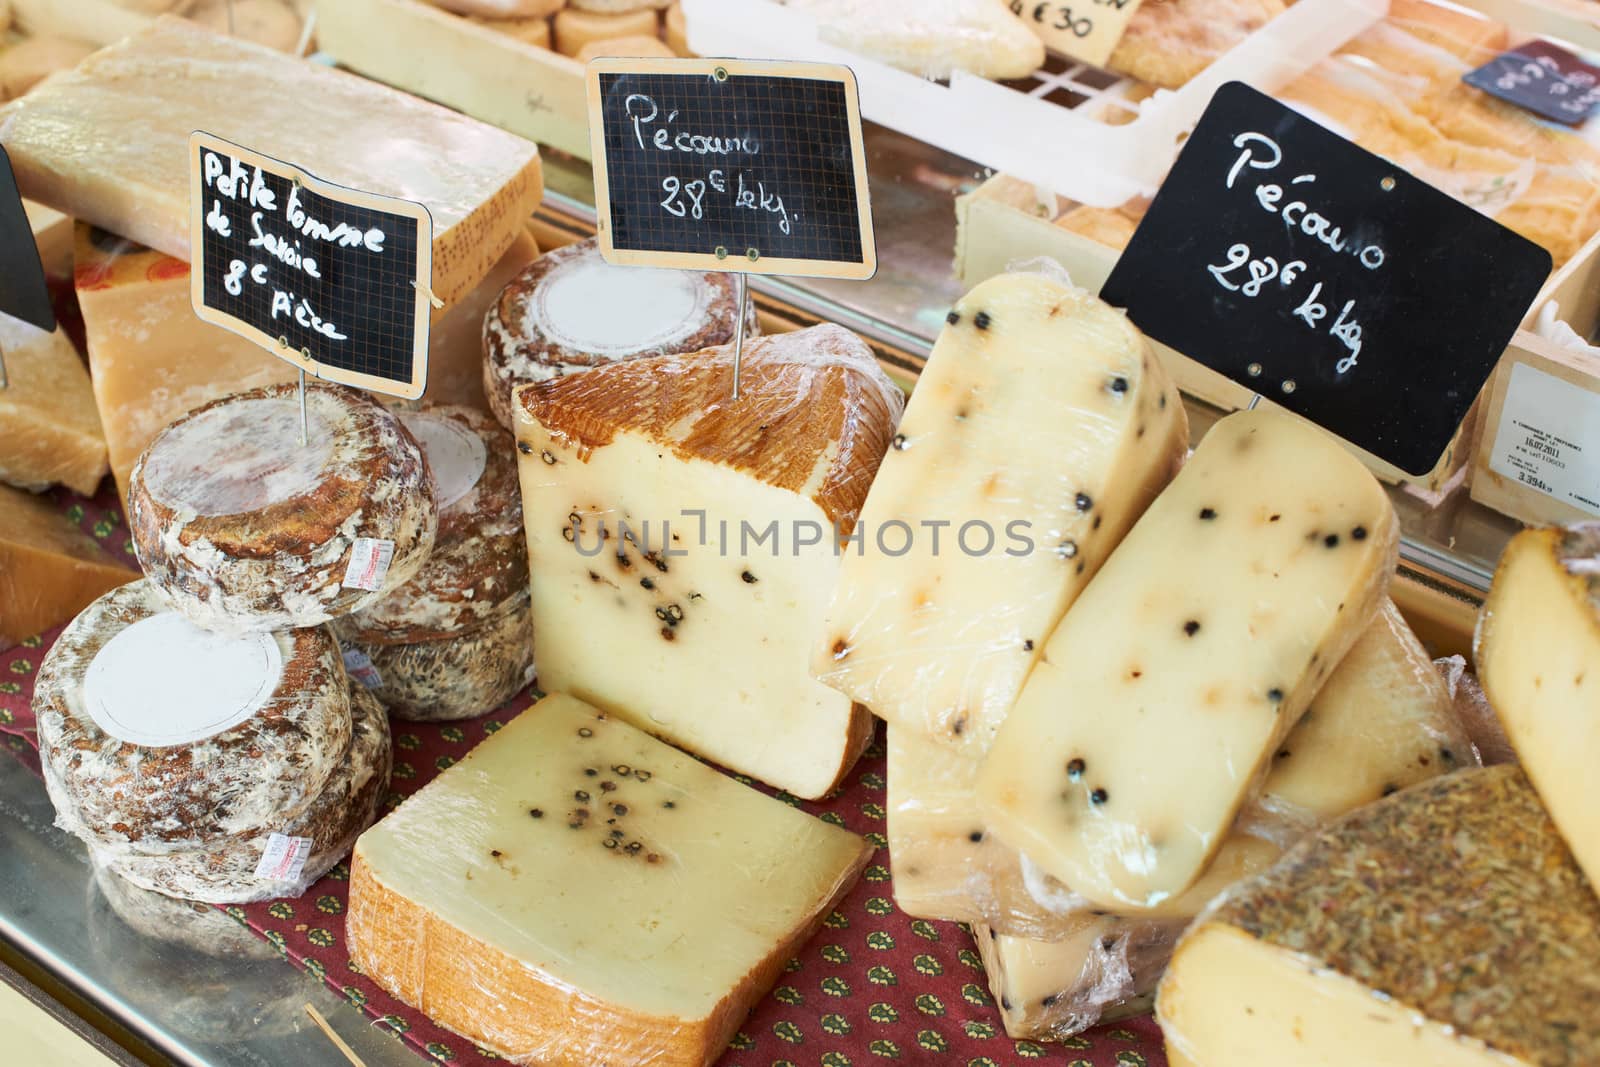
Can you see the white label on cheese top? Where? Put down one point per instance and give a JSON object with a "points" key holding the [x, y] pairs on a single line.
{"points": [[239, 457], [590, 306], [164, 681], [455, 454]]}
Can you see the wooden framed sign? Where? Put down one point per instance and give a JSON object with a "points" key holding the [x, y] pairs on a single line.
{"points": [[333, 280], [721, 164]]}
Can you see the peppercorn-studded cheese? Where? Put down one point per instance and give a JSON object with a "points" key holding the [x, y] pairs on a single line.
{"points": [[682, 544], [575, 891], [1447, 925], [1040, 430], [1538, 657], [1164, 693]]}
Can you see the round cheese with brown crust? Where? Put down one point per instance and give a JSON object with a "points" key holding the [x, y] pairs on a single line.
{"points": [[480, 555], [570, 311], [243, 528], [227, 875], [156, 734]]}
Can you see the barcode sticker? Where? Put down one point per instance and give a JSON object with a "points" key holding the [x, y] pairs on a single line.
{"points": [[284, 858], [369, 563], [358, 665]]}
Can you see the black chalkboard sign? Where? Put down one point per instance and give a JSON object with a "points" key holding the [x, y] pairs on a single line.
{"points": [[23, 292], [333, 280], [1326, 279], [1544, 78], [730, 165]]}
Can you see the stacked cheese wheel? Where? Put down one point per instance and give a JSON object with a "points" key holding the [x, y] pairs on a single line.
{"points": [[584, 29], [455, 641]]}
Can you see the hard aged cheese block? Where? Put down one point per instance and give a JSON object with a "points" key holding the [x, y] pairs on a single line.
{"points": [[575, 892], [1172, 680], [158, 734], [1538, 656], [931, 39], [1040, 430], [107, 142], [49, 569], [1446, 925], [49, 430], [682, 544], [242, 527]]}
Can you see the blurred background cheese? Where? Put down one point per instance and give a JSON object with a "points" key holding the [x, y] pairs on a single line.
{"points": [[575, 29], [49, 569], [272, 23], [49, 429], [32, 59]]}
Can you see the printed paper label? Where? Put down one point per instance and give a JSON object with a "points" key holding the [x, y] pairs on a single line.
{"points": [[1086, 30], [358, 665], [284, 858], [369, 563], [1549, 438]]}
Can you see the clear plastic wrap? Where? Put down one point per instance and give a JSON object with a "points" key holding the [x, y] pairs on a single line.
{"points": [[930, 38], [575, 891]]}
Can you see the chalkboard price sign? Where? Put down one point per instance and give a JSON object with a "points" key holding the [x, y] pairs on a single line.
{"points": [[1326, 279], [333, 280], [1544, 78], [730, 165]]}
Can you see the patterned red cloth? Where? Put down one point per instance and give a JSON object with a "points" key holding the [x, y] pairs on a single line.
{"points": [[874, 986]]}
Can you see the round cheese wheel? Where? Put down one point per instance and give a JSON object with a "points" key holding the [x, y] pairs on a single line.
{"points": [[31, 60], [571, 310], [243, 528], [272, 23], [157, 734], [675, 29], [503, 9], [168, 920], [630, 47], [153, 7], [575, 28], [480, 554], [227, 875], [534, 31], [456, 677], [615, 7]]}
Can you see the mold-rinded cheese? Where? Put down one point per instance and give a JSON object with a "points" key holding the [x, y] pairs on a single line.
{"points": [[241, 527], [456, 677], [605, 899], [49, 569], [107, 143], [571, 310], [1538, 657], [479, 560], [232, 872], [1164, 693], [160, 735], [49, 428], [683, 545], [1040, 430], [161, 919], [931, 39], [574, 28], [1447, 925]]}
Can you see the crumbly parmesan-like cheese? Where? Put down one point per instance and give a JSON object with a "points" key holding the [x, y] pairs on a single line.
{"points": [[1042, 414], [932, 38], [1154, 714], [49, 429], [107, 142], [645, 486], [49, 568], [575, 891], [242, 527]]}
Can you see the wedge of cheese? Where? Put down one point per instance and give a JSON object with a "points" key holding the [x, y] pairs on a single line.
{"points": [[49, 569], [1538, 657], [1447, 925], [107, 143], [682, 544], [609, 899], [49, 430], [1040, 430], [1165, 691], [931, 38]]}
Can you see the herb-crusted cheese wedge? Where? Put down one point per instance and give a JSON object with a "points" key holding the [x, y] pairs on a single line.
{"points": [[1447, 925], [1175, 676]]}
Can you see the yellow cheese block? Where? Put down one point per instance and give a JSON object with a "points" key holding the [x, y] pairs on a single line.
{"points": [[49, 569], [108, 143], [575, 28], [49, 430]]}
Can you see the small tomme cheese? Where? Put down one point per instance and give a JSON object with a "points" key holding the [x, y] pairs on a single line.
{"points": [[49, 569], [166, 920], [107, 142], [1538, 657], [1042, 415], [575, 28], [234, 872], [683, 544], [1164, 693], [571, 311], [49, 430], [157, 734], [242, 527], [931, 39], [611, 899], [1447, 925]]}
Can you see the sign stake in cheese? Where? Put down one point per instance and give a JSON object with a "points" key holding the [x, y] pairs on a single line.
{"points": [[1538, 657], [1446, 925], [610, 899], [1172, 680], [1040, 430]]}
